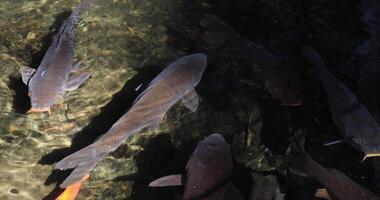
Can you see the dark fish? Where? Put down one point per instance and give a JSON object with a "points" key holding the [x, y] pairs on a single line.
{"points": [[352, 118], [52, 77], [266, 188], [369, 81], [280, 80], [371, 18], [176, 82], [207, 172], [338, 185]]}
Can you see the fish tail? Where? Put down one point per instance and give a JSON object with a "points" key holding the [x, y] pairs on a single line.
{"points": [[297, 165], [84, 5], [316, 61], [299, 137], [313, 57], [71, 192], [83, 161]]}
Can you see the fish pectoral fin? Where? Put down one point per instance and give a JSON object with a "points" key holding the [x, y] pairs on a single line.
{"points": [[26, 73], [76, 80], [171, 180], [190, 100], [76, 67]]}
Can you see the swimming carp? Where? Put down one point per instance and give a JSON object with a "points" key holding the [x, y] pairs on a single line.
{"points": [[207, 172], [176, 82], [52, 77], [338, 185], [353, 119], [281, 81], [369, 81]]}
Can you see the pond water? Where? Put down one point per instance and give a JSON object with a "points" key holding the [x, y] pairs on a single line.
{"points": [[125, 43]]}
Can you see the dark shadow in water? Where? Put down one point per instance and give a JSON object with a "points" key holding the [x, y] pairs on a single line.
{"points": [[159, 158], [55, 176], [109, 114], [22, 102], [275, 131]]}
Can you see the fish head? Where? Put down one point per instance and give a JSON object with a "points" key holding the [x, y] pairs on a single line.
{"points": [[370, 18], [42, 101], [209, 166], [198, 64]]}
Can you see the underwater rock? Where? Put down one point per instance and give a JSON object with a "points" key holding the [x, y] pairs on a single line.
{"points": [[266, 188]]}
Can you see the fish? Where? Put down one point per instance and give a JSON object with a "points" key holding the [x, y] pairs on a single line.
{"points": [[369, 81], [371, 18], [208, 171], [337, 184], [281, 81], [71, 192], [53, 76], [176, 82], [354, 121]]}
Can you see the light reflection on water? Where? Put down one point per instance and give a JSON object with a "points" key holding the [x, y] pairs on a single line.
{"points": [[115, 38]]}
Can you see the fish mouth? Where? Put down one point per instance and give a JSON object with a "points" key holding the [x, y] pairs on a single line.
{"points": [[38, 110], [292, 104], [369, 155]]}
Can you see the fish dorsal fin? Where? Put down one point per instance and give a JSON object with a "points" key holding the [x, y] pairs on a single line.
{"points": [[26, 73], [171, 180], [190, 100]]}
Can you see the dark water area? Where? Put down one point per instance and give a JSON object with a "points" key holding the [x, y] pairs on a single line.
{"points": [[126, 43]]}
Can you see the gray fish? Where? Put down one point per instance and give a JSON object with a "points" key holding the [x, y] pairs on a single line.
{"points": [[338, 185], [176, 82], [207, 172], [353, 119], [52, 77]]}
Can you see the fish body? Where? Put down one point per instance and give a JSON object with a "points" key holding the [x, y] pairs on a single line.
{"points": [[280, 80], [175, 82], [71, 192], [338, 185], [353, 119], [52, 77], [371, 18], [207, 172]]}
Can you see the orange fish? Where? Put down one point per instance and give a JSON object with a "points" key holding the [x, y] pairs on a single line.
{"points": [[72, 191]]}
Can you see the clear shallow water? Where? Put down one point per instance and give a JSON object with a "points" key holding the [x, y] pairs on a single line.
{"points": [[115, 38], [123, 43]]}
